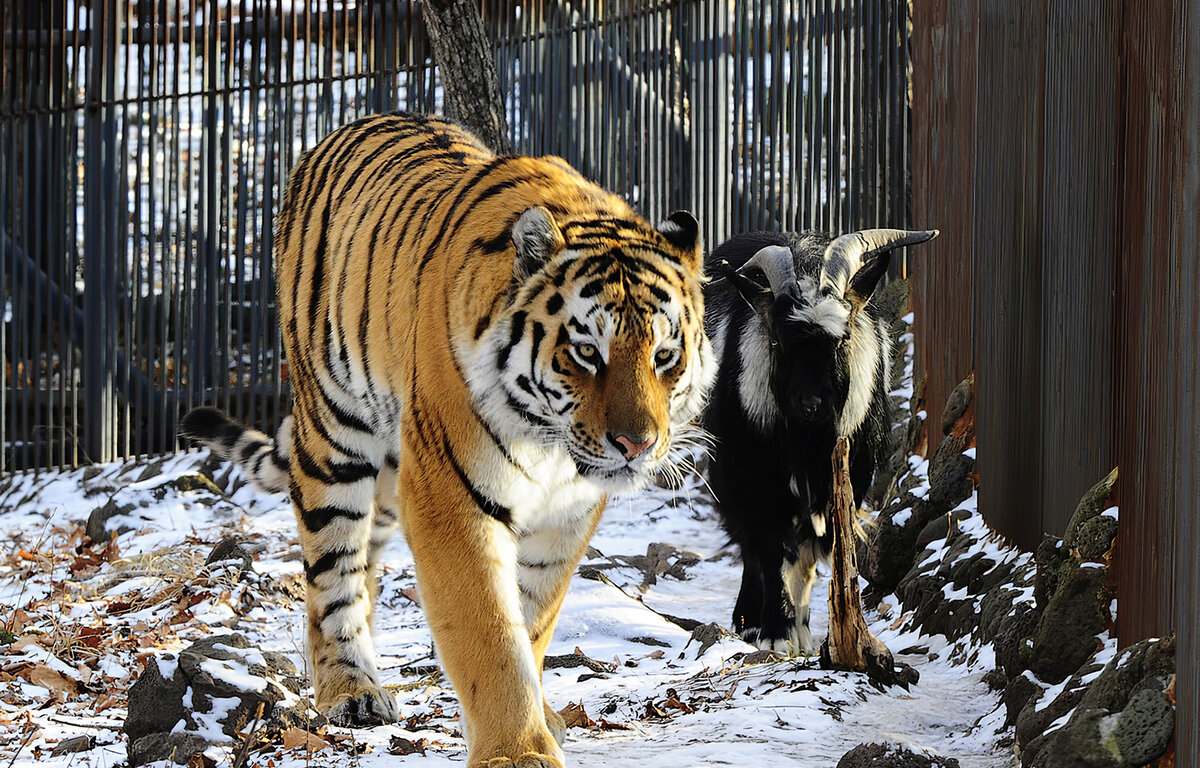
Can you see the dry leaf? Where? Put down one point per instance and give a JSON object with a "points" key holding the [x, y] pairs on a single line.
{"points": [[42, 675], [17, 621], [574, 716], [24, 641], [402, 746], [296, 737]]}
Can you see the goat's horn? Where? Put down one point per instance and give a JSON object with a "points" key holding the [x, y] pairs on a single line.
{"points": [[776, 263], [846, 254]]}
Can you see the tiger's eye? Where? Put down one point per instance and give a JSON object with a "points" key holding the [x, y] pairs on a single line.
{"points": [[586, 351], [664, 355]]}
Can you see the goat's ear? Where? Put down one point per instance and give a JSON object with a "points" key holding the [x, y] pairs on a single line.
{"points": [[537, 238], [862, 283], [757, 294]]}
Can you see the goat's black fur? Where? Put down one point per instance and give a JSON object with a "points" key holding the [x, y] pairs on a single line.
{"points": [[780, 401]]}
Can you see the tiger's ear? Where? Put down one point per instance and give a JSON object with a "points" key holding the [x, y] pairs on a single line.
{"points": [[537, 239], [681, 230]]}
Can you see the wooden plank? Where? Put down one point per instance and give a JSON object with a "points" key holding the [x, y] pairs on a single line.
{"points": [[1008, 252], [1079, 213], [943, 192], [1186, 288]]}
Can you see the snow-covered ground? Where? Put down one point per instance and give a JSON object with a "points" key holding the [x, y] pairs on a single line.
{"points": [[85, 617]]}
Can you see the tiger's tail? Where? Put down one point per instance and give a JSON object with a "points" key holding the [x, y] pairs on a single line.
{"points": [[264, 460]]}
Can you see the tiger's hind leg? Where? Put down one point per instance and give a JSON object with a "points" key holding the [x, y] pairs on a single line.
{"points": [[335, 471], [385, 521]]}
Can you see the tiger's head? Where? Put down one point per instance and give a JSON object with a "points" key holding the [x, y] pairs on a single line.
{"points": [[602, 349]]}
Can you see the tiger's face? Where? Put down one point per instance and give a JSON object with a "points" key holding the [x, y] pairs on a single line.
{"points": [[606, 353]]}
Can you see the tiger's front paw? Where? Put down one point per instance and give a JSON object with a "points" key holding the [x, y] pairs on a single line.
{"points": [[363, 710], [527, 760]]}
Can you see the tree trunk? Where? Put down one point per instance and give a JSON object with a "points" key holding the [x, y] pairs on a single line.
{"points": [[468, 70], [850, 645]]}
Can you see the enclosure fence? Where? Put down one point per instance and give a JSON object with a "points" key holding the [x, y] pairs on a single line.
{"points": [[144, 145], [1057, 145]]}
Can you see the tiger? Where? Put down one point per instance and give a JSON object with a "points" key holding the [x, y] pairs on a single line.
{"points": [[481, 348]]}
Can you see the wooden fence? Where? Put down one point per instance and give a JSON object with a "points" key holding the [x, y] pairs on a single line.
{"points": [[1055, 145]]}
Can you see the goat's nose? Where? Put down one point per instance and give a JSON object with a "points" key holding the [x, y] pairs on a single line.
{"points": [[632, 447], [809, 406]]}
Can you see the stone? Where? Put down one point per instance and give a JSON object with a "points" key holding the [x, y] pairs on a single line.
{"points": [[178, 696], [1017, 694], [229, 550], [179, 748], [155, 701], [892, 756], [1051, 557], [888, 551], [1095, 538], [1076, 745], [995, 605], [81, 743], [1111, 690], [1145, 727], [1013, 643], [956, 404], [950, 480], [97, 522], [1068, 628], [1091, 504], [939, 528]]}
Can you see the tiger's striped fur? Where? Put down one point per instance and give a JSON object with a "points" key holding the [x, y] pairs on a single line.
{"points": [[481, 348]]}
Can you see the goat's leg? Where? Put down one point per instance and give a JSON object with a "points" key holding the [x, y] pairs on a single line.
{"points": [[762, 613], [747, 611], [799, 575]]}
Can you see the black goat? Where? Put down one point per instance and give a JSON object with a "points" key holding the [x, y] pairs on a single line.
{"points": [[803, 358]]}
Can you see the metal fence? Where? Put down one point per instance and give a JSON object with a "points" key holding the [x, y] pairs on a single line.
{"points": [[144, 145], [1058, 147]]}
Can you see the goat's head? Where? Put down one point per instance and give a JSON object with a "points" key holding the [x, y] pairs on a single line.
{"points": [[810, 318]]}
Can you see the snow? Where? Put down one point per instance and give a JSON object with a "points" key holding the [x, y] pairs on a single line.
{"points": [[660, 701], [786, 712]]}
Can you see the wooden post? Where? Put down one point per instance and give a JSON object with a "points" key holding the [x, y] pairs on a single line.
{"points": [[850, 645]]}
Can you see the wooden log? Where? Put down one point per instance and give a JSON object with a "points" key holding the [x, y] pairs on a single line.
{"points": [[850, 645]]}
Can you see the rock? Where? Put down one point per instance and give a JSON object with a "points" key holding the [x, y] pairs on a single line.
{"points": [[1095, 537], [1051, 557], [1093, 503], [1017, 694], [155, 701], [956, 404], [97, 523], [1067, 631], [1014, 643], [995, 605], [888, 551], [1145, 727], [72, 745], [176, 747], [950, 480], [229, 550], [1076, 745], [195, 481], [995, 679], [939, 528], [1038, 714], [225, 681], [892, 756]]}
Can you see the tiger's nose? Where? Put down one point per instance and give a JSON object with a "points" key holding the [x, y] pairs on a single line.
{"points": [[632, 447]]}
